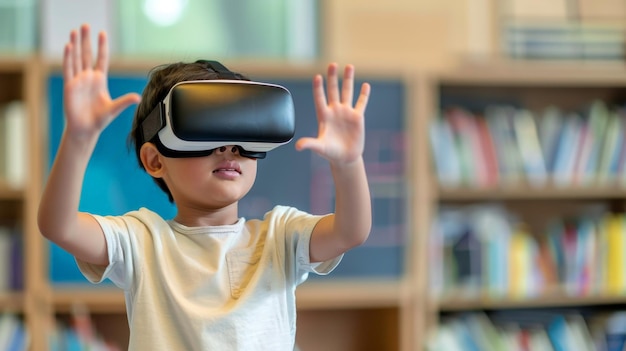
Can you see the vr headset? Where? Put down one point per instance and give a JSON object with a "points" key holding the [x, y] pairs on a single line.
{"points": [[196, 117]]}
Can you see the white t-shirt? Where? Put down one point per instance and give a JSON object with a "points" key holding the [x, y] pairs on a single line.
{"points": [[226, 287]]}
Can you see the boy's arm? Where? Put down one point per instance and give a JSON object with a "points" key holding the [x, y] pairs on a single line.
{"points": [[88, 109], [341, 139]]}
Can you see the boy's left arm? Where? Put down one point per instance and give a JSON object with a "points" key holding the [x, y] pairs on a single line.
{"points": [[341, 140]]}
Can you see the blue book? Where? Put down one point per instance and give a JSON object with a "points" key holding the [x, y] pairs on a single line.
{"points": [[20, 339]]}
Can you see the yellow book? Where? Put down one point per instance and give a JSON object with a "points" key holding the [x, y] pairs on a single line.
{"points": [[519, 264], [614, 231]]}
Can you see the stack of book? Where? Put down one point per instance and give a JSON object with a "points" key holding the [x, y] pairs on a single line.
{"points": [[504, 146], [531, 331], [483, 251], [564, 29]]}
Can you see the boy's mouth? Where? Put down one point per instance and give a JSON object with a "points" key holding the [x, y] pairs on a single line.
{"points": [[228, 168]]}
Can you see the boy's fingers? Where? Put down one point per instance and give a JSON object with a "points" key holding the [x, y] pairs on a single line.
{"points": [[333, 84], [318, 93], [102, 62], [309, 143], [85, 46], [68, 71], [364, 96], [347, 89], [123, 102], [75, 52]]}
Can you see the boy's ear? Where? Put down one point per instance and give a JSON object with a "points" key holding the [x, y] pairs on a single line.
{"points": [[151, 160]]}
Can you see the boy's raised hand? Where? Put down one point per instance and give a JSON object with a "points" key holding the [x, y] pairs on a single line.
{"points": [[341, 126], [88, 104]]}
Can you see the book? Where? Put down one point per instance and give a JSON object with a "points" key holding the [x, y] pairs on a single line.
{"points": [[560, 334], [539, 340], [20, 339], [550, 126], [448, 226], [465, 335], [493, 230], [580, 334], [567, 151], [486, 335], [521, 255], [445, 338], [444, 153], [597, 122], [613, 225], [9, 325], [467, 147], [585, 268], [499, 120], [530, 148], [6, 247], [488, 148], [13, 144], [611, 148], [17, 261], [616, 331]]}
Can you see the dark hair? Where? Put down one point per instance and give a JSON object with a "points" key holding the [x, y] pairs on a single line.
{"points": [[161, 80]]}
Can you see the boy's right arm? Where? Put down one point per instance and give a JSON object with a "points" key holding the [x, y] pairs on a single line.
{"points": [[88, 109]]}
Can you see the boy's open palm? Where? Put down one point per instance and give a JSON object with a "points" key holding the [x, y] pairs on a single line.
{"points": [[88, 104], [341, 126]]}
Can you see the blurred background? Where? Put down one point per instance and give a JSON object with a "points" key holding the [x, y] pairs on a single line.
{"points": [[422, 34], [496, 156]]}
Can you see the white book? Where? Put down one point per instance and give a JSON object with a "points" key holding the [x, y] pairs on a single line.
{"points": [[530, 148], [539, 340], [14, 146], [8, 327], [444, 153], [580, 333]]}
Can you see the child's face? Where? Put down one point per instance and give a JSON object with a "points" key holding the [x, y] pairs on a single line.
{"points": [[210, 182]]}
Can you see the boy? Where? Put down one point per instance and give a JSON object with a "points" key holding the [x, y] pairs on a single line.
{"points": [[207, 279]]}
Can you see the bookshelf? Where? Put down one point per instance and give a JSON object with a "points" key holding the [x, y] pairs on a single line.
{"points": [[532, 86], [20, 81], [396, 312]]}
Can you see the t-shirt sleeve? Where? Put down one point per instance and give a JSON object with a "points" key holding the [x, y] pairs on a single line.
{"points": [[298, 228], [118, 241]]}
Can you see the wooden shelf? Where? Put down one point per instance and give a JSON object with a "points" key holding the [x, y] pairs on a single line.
{"points": [[100, 299], [517, 73], [8, 193], [349, 294], [342, 294], [531, 193], [459, 304], [11, 301]]}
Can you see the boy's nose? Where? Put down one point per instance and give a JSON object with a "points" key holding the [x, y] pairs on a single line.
{"points": [[222, 149]]}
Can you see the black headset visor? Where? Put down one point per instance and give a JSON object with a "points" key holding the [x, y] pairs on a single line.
{"points": [[197, 117]]}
